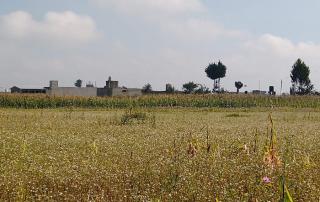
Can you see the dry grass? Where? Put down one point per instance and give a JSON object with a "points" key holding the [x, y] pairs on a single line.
{"points": [[172, 155]]}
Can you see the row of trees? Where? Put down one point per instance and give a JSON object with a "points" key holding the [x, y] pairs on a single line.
{"points": [[300, 72], [301, 83], [187, 88], [215, 71]]}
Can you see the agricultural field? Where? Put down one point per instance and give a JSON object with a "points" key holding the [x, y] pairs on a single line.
{"points": [[28, 101], [160, 154]]}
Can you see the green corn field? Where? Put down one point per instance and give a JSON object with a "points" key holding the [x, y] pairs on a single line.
{"points": [[193, 101]]}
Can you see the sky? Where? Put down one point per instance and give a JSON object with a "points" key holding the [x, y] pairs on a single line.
{"points": [[157, 42]]}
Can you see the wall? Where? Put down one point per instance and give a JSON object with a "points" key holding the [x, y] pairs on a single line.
{"points": [[126, 92], [91, 92], [72, 91], [104, 92], [134, 92]]}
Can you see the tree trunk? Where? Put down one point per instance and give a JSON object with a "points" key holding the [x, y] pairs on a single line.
{"points": [[215, 85]]}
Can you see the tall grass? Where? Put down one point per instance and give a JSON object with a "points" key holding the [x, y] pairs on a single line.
{"points": [[199, 101]]}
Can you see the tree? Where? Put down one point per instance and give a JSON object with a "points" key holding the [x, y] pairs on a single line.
{"points": [[216, 72], [78, 83], [300, 80], [189, 87], [202, 89], [238, 85], [147, 88], [169, 88]]}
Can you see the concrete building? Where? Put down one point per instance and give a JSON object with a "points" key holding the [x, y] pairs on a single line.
{"points": [[15, 89], [110, 89], [259, 92]]}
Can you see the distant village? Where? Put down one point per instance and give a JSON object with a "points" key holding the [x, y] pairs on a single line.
{"points": [[112, 88], [301, 85], [299, 74]]}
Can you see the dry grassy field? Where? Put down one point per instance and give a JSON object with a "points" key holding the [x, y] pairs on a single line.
{"points": [[185, 154]]}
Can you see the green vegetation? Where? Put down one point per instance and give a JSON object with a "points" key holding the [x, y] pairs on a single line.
{"points": [[236, 115], [130, 117], [238, 85], [301, 84], [159, 155], [216, 71], [186, 101], [189, 87], [147, 88], [78, 83]]}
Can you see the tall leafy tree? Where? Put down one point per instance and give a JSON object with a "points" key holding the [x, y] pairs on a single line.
{"points": [[216, 71], [78, 83], [189, 87], [300, 80], [238, 85]]}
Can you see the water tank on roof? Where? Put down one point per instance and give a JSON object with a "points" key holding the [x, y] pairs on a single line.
{"points": [[271, 90], [54, 84]]}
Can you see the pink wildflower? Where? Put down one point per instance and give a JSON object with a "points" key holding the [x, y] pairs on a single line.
{"points": [[266, 179]]}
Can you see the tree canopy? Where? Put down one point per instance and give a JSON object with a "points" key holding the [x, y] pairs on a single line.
{"points": [[216, 71], [202, 89], [78, 83], [189, 87], [147, 88], [169, 88], [238, 85], [300, 80]]}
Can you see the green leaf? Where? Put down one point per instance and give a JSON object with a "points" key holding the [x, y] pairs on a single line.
{"points": [[287, 197]]}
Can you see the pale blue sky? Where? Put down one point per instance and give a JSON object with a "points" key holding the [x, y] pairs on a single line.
{"points": [[157, 42], [294, 19]]}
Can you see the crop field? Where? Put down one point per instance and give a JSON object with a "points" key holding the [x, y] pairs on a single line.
{"points": [[160, 154], [153, 101]]}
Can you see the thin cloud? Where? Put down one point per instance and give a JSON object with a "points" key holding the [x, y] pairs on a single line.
{"points": [[152, 6], [198, 30], [59, 27], [284, 47]]}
